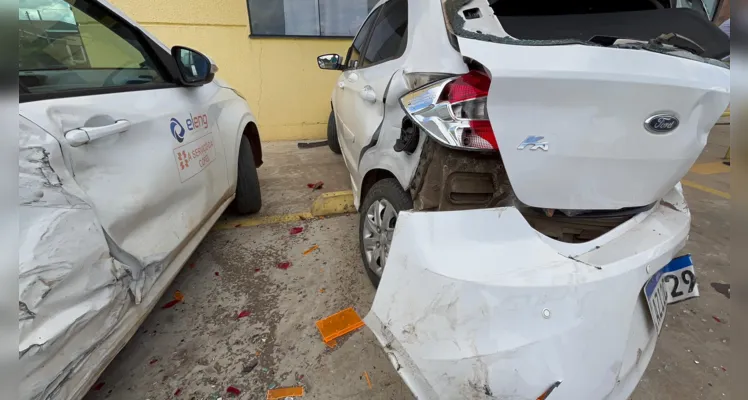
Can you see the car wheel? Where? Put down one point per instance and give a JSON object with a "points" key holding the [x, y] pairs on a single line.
{"points": [[248, 198], [377, 218], [332, 134]]}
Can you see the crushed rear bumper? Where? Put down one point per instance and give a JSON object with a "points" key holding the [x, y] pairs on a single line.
{"points": [[476, 304]]}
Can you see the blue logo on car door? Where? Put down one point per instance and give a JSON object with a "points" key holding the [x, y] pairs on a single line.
{"points": [[176, 130]]}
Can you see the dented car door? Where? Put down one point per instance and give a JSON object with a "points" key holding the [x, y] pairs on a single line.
{"points": [[147, 154]]}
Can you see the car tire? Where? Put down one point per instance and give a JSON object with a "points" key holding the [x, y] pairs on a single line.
{"points": [[332, 134], [386, 193], [248, 197]]}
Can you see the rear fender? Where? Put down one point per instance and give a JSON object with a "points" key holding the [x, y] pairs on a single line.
{"points": [[380, 153]]}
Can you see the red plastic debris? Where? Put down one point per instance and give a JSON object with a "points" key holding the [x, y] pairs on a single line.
{"points": [[178, 296], [233, 390], [171, 304], [717, 319], [296, 230], [257, 270], [178, 392], [153, 361], [723, 368], [315, 186], [284, 265], [98, 386], [216, 273], [237, 226], [243, 314]]}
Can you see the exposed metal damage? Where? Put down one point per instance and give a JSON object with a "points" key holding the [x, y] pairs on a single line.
{"points": [[450, 180]]}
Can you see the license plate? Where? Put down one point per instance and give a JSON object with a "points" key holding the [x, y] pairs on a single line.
{"points": [[673, 283]]}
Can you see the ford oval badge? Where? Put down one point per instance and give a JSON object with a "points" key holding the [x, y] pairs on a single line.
{"points": [[661, 123]]}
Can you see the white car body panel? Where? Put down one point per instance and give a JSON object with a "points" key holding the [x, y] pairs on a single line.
{"points": [[516, 316], [387, 77], [106, 226], [593, 138], [478, 304]]}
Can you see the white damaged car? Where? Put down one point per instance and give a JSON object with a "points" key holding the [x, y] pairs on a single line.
{"points": [[516, 168], [129, 152]]}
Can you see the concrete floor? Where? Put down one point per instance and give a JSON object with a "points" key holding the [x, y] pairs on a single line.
{"points": [[200, 347]]}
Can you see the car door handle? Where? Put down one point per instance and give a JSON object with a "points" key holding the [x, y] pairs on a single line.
{"points": [[81, 136], [368, 94], [341, 85]]}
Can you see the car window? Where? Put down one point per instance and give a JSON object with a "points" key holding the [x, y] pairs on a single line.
{"points": [[354, 53], [389, 36], [78, 45]]}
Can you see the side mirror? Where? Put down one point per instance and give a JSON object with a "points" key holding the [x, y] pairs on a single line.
{"points": [[195, 69], [329, 61]]}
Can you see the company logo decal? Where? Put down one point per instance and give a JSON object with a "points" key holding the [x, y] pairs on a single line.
{"points": [[192, 123], [661, 123], [176, 130]]}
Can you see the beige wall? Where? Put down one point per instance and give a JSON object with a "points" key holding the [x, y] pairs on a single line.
{"points": [[279, 77]]}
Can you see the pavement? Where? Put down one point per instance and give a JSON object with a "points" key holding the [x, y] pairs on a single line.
{"points": [[198, 348]]}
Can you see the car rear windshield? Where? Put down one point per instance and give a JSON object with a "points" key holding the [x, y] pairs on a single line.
{"points": [[605, 21]]}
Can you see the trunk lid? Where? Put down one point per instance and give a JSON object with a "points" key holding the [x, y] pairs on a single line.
{"points": [[592, 107], [573, 122]]}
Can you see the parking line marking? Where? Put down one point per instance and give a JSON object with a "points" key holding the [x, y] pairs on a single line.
{"points": [[334, 203], [707, 189], [266, 220], [710, 168]]}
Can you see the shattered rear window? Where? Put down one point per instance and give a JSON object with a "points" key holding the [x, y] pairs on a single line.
{"points": [[594, 22]]}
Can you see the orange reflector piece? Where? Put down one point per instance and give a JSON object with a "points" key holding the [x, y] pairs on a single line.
{"points": [[311, 249], [282, 393], [338, 324]]}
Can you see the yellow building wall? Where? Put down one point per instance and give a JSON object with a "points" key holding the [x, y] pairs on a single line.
{"points": [[289, 95]]}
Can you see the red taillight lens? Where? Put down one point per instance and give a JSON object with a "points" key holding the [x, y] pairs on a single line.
{"points": [[481, 136], [454, 111], [470, 86]]}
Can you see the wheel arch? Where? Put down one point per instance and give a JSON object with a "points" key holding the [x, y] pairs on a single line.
{"points": [[373, 176], [253, 135]]}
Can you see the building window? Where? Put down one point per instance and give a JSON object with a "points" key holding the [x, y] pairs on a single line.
{"points": [[315, 18]]}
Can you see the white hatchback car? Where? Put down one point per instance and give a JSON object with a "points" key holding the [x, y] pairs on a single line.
{"points": [[516, 168], [129, 152]]}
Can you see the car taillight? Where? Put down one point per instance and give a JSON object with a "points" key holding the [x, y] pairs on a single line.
{"points": [[453, 111]]}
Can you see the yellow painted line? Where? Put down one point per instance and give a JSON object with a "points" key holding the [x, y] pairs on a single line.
{"points": [[711, 168], [726, 114], [333, 203], [330, 203], [266, 220], [707, 189]]}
